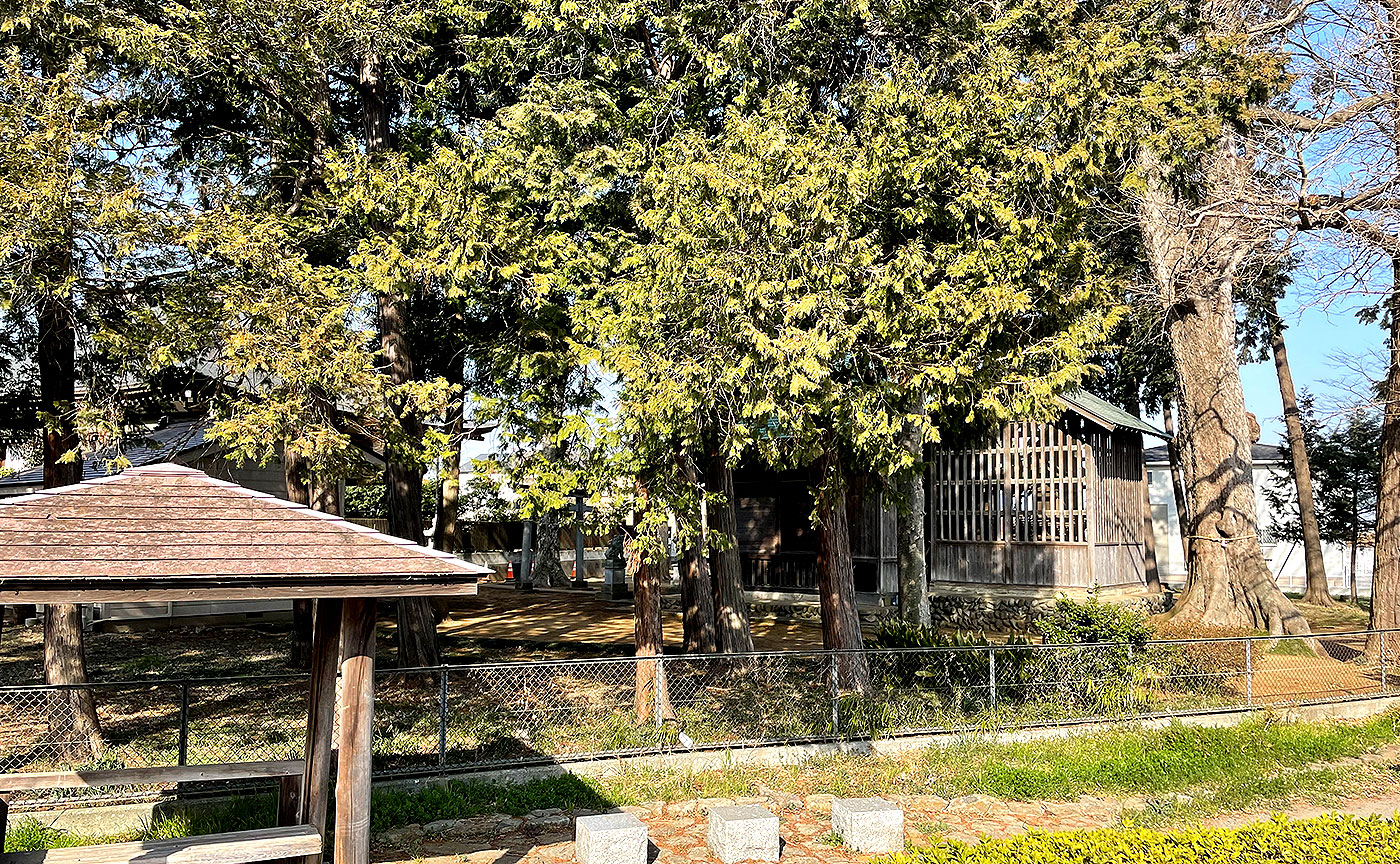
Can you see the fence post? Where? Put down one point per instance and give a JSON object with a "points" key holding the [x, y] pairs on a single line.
{"points": [[1248, 671], [1384, 682], [184, 722], [658, 686], [442, 718], [1130, 674], [992, 675], [835, 694]]}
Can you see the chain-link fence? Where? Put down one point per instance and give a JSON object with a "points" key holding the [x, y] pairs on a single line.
{"points": [[455, 717]]}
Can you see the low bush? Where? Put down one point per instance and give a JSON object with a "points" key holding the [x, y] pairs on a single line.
{"points": [[1327, 840], [1203, 667]]}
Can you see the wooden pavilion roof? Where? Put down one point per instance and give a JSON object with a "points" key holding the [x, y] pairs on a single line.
{"points": [[166, 532]]}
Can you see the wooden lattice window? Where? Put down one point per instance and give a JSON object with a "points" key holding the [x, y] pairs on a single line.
{"points": [[1030, 486]]}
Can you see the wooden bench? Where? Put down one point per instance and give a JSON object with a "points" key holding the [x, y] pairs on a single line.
{"points": [[286, 842]]}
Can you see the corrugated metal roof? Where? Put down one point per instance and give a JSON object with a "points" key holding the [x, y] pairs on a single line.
{"points": [[166, 532], [1107, 414]]}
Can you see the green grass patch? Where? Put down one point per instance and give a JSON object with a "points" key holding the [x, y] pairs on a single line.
{"points": [[457, 800], [1328, 839]]}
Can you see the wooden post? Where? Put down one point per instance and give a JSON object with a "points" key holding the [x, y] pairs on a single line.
{"points": [[320, 718], [352, 790]]}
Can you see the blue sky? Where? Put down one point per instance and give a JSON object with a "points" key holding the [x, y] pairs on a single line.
{"points": [[1319, 338]]}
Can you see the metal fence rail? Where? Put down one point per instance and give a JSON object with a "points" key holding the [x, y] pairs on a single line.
{"points": [[453, 717]]}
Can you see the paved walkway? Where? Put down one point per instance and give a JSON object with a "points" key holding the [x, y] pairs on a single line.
{"points": [[677, 830]]}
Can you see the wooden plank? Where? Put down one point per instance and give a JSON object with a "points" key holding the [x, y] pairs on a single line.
{"points": [[149, 776], [325, 658], [235, 847], [352, 788]]}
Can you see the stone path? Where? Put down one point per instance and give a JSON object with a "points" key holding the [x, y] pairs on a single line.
{"points": [[677, 830]]}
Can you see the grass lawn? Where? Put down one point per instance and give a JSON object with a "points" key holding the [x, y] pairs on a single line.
{"points": [[1167, 777], [1256, 764]]}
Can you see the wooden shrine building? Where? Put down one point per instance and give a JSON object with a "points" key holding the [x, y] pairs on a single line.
{"points": [[1039, 506], [168, 533], [1043, 504]]}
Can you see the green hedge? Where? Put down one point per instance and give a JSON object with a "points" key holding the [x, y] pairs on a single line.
{"points": [[1328, 840]]}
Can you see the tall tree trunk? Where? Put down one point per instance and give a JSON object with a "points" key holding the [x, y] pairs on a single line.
{"points": [[64, 660], [1151, 570], [65, 663], [1385, 577], [650, 699], [1183, 510], [697, 586], [732, 629], [909, 535], [296, 471], [1195, 253], [1317, 591], [836, 578], [417, 625], [445, 537], [697, 602]]}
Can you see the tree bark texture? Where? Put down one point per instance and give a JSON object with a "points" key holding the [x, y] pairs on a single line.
{"points": [[1194, 258], [74, 713], [732, 629], [697, 585], [650, 701], [909, 535], [1385, 579], [836, 579], [547, 569], [697, 602], [1317, 591]]}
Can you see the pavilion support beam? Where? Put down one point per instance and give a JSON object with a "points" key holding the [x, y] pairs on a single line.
{"points": [[352, 790], [320, 717]]}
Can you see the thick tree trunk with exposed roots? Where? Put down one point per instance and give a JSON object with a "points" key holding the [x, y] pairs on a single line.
{"points": [[732, 628], [1195, 252], [836, 578], [1385, 581], [1317, 591], [1228, 582]]}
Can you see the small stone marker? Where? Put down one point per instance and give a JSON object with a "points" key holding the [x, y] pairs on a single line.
{"points": [[610, 838], [871, 825], [745, 833]]}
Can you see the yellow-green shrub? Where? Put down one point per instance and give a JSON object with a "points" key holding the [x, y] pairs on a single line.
{"points": [[1327, 840]]}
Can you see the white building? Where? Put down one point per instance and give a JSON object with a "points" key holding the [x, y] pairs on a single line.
{"points": [[1285, 559]]}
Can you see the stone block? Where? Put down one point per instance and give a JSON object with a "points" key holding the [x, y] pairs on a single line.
{"points": [[871, 825], [610, 838], [743, 833]]}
